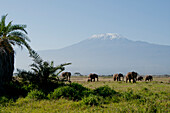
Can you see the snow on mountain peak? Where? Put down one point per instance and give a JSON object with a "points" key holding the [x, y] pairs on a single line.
{"points": [[106, 36]]}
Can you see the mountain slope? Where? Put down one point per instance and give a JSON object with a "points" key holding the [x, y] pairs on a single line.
{"points": [[111, 53]]}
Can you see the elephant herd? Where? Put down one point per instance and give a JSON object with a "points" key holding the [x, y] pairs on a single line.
{"points": [[131, 76], [116, 77]]}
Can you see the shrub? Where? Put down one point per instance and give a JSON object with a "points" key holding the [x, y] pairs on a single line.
{"points": [[36, 94], [75, 92], [86, 93], [3, 100], [92, 100], [78, 87], [81, 91], [104, 91], [30, 87], [14, 90], [65, 91]]}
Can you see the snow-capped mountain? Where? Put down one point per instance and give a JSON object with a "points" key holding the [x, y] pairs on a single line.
{"points": [[107, 36], [111, 53]]}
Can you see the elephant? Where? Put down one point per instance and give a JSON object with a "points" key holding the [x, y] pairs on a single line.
{"points": [[140, 78], [131, 75], [66, 75], [92, 76], [89, 79], [148, 77], [118, 77]]}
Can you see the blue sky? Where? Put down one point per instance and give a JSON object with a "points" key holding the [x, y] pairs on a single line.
{"points": [[53, 24]]}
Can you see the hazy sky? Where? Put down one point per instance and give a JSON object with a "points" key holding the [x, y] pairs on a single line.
{"points": [[54, 24]]}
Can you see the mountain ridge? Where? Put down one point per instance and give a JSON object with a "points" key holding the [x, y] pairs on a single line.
{"points": [[112, 55]]}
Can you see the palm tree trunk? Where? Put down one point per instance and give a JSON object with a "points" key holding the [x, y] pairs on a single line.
{"points": [[6, 63]]}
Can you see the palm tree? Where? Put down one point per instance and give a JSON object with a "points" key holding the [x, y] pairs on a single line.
{"points": [[43, 71], [10, 35]]}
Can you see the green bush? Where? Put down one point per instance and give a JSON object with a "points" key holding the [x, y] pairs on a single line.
{"points": [[81, 91], [14, 90], [36, 94], [75, 92], [66, 91], [104, 91], [30, 87], [86, 93], [3, 100], [79, 87], [92, 100]]}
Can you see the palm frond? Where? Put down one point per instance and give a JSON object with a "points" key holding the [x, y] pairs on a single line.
{"points": [[3, 18], [13, 33], [35, 66], [19, 41], [65, 64], [18, 27], [22, 72], [35, 70], [18, 34], [8, 26], [36, 58]]}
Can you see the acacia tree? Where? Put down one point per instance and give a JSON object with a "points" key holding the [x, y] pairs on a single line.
{"points": [[10, 35]]}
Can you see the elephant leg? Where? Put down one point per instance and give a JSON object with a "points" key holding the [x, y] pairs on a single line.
{"points": [[126, 80], [130, 80], [91, 79], [94, 79], [69, 78]]}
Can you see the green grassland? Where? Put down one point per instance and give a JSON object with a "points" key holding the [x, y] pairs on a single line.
{"points": [[137, 97]]}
